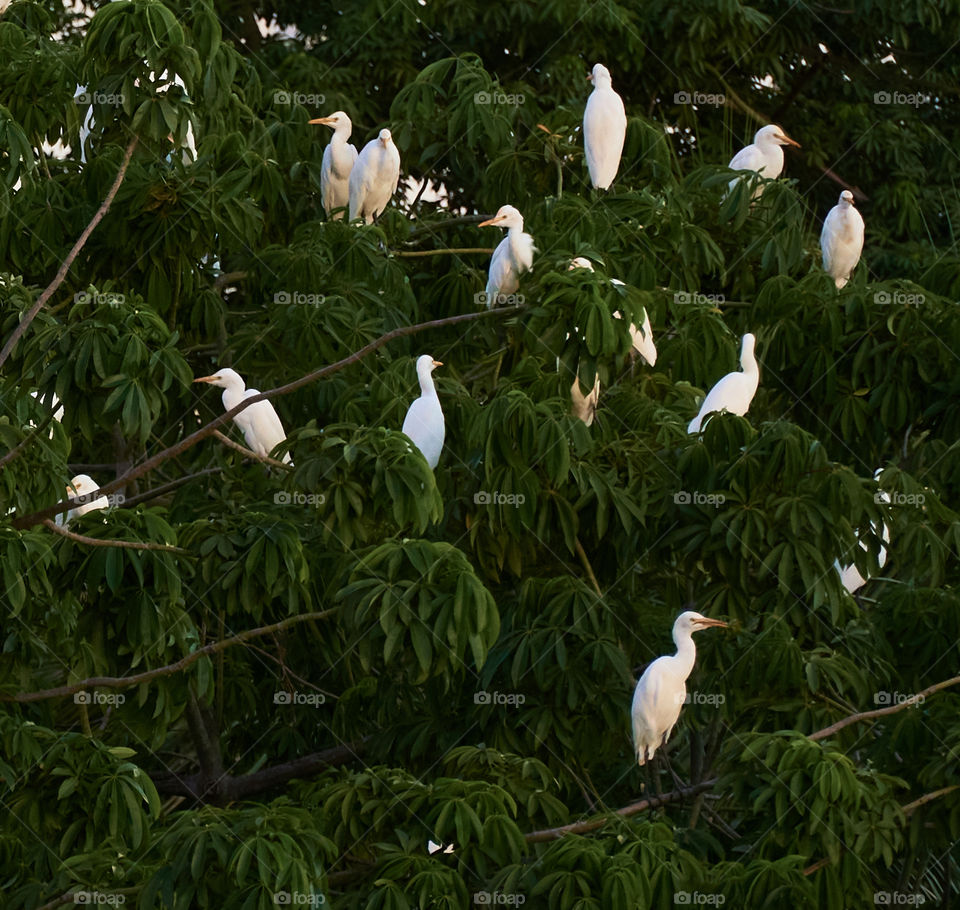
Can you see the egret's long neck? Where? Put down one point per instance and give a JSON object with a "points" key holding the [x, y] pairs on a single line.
{"points": [[427, 388], [749, 365], [514, 237], [232, 395], [686, 654]]}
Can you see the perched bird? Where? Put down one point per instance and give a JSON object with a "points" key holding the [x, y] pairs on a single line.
{"points": [[642, 338], [585, 406], [424, 421], [662, 689], [735, 391], [83, 487], [850, 576], [512, 257], [374, 177], [434, 847], [604, 129], [765, 155], [841, 239], [259, 423], [339, 157]]}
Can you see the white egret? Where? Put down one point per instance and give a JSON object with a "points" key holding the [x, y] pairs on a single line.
{"points": [[512, 257], [850, 576], [764, 155], [84, 486], [662, 689], [259, 423], [374, 177], [604, 129], [424, 421], [434, 847], [841, 239], [733, 392], [339, 157]]}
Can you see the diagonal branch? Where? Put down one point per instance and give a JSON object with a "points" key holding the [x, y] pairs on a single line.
{"points": [[119, 544], [123, 682], [187, 442], [48, 292], [444, 251], [243, 450]]}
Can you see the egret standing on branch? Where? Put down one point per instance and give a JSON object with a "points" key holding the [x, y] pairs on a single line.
{"points": [[374, 177], [842, 239], [424, 421], [512, 257], [83, 487], [662, 689], [735, 391], [765, 155], [339, 157], [259, 423], [604, 129]]}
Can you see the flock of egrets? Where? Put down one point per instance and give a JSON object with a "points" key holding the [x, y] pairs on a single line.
{"points": [[363, 184]]}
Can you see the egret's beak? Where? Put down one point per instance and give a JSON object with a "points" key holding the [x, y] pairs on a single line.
{"points": [[438, 363], [205, 379], [788, 141], [493, 220], [546, 129], [327, 120], [707, 623]]}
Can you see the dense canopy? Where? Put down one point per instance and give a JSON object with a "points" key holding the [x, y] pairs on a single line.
{"points": [[246, 683]]}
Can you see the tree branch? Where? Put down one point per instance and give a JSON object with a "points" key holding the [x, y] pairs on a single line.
{"points": [[882, 712], [31, 314], [444, 251], [187, 442], [928, 798], [221, 281], [448, 223], [20, 446], [122, 682], [119, 544], [167, 487], [243, 450]]}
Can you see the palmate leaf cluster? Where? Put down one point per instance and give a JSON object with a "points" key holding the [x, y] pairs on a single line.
{"points": [[459, 679]]}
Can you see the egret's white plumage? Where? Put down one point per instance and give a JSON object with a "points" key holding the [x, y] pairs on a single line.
{"points": [[339, 157], [512, 257], [604, 129], [585, 406], [662, 689], [841, 240], [424, 421], [434, 847], [374, 177], [83, 485], [259, 423], [850, 576], [733, 392], [764, 155]]}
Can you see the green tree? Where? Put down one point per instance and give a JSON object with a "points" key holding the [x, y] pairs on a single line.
{"points": [[246, 684]]}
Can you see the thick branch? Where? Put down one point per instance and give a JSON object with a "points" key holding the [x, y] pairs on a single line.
{"points": [[119, 544], [584, 827], [122, 682], [882, 712], [221, 281], [31, 314], [207, 430], [928, 798]]}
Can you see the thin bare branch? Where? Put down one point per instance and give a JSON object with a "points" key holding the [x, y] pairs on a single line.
{"points": [[243, 450], [123, 682], [58, 279], [488, 250], [118, 544]]}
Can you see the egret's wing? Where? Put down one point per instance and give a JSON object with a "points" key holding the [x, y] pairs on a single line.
{"points": [[747, 159], [604, 131], [424, 425], [525, 251], [395, 161], [326, 173], [733, 393], [643, 340], [498, 278], [359, 181]]}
